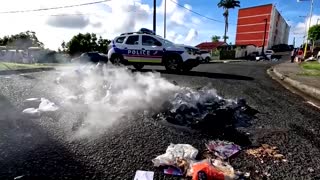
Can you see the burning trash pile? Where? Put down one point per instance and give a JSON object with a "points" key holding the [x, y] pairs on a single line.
{"points": [[204, 109]]}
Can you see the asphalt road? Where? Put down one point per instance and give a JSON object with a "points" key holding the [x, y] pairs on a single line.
{"points": [[37, 147]]}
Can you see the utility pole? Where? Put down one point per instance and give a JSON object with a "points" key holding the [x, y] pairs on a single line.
{"points": [[154, 16], [264, 36], [306, 45], [165, 19]]}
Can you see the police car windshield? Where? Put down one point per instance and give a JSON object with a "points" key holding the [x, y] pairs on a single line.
{"points": [[167, 42]]}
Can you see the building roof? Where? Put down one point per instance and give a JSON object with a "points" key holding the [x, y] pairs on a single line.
{"points": [[256, 6], [210, 45]]}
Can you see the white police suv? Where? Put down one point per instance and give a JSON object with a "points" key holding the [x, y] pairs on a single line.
{"points": [[145, 48]]}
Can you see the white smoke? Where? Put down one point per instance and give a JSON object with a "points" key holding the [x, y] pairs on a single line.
{"points": [[110, 94]]}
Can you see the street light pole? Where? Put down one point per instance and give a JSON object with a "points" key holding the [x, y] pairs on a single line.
{"points": [[264, 36], [154, 16], [165, 19]]}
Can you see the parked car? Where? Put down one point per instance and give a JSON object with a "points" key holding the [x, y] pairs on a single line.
{"points": [[318, 56], [205, 55], [94, 57], [146, 48], [281, 48]]}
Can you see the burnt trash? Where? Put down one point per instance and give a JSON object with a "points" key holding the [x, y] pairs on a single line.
{"points": [[204, 110]]}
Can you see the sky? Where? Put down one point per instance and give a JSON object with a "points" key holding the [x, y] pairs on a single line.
{"points": [[111, 18]]}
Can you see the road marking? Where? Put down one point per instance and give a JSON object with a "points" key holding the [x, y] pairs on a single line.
{"points": [[313, 104]]}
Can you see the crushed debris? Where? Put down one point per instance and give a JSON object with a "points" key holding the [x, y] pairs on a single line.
{"points": [[265, 151]]}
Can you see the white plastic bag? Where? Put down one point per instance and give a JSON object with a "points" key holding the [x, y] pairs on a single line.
{"points": [[183, 151], [47, 105]]}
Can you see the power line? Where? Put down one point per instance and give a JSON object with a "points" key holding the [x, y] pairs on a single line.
{"points": [[197, 12], [52, 8]]}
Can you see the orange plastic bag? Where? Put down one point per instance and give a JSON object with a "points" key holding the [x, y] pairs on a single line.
{"points": [[205, 170]]}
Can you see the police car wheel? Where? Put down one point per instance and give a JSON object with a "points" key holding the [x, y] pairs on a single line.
{"points": [[172, 63], [116, 60], [138, 66], [207, 59]]}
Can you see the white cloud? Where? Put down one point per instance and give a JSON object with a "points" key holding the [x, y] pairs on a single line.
{"points": [[192, 35], [301, 27], [63, 21]]}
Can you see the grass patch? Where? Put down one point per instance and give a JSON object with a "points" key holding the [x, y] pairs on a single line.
{"points": [[16, 66], [310, 73], [315, 65]]}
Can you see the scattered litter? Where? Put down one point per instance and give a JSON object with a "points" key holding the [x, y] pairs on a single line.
{"points": [[32, 100], [32, 111], [46, 106], [173, 171], [144, 175], [18, 177], [175, 152], [284, 160], [211, 170], [223, 149], [247, 174], [311, 170], [265, 151]]}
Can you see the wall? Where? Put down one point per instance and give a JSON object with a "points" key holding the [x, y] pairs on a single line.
{"points": [[279, 31], [251, 24]]}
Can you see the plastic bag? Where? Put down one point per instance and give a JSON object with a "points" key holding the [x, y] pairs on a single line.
{"points": [[207, 170], [174, 151], [47, 105], [223, 149]]}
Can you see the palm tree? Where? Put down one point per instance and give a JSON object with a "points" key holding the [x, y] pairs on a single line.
{"points": [[215, 38], [226, 5]]}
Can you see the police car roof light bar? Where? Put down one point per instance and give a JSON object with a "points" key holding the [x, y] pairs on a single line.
{"points": [[141, 31]]}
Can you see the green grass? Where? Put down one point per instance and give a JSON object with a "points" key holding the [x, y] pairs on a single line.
{"points": [[310, 69], [16, 66], [315, 65], [310, 73]]}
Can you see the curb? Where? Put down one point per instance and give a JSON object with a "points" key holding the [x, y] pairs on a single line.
{"points": [[18, 71], [309, 90]]}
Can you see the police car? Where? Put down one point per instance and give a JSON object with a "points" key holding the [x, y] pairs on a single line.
{"points": [[146, 48]]}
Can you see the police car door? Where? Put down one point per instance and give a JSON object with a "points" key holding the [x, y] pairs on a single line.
{"points": [[152, 50], [133, 48]]}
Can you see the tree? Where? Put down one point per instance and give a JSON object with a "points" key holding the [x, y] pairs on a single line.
{"points": [[22, 40], [226, 5], [314, 33], [81, 43], [215, 38]]}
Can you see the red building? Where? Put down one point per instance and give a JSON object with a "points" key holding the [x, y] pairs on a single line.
{"points": [[251, 26]]}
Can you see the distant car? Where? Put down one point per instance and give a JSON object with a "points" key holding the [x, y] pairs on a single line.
{"points": [[94, 57], [281, 48], [206, 57], [269, 52]]}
